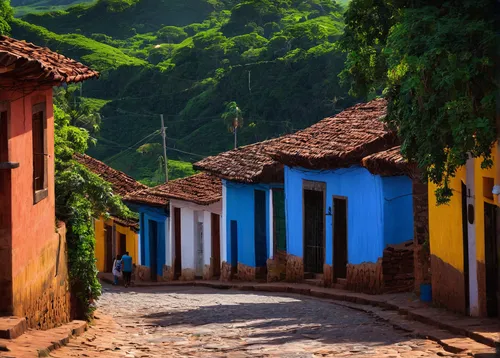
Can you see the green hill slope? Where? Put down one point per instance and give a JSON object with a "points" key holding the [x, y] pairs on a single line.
{"points": [[186, 58]]}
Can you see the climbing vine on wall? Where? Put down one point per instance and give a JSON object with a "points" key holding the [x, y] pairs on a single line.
{"points": [[435, 66], [80, 196]]}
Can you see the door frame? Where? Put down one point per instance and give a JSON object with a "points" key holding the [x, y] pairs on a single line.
{"points": [[346, 199], [314, 186]]}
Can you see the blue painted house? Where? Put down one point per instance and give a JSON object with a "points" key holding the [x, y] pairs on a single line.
{"points": [[339, 216], [155, 259], [253, 233]]}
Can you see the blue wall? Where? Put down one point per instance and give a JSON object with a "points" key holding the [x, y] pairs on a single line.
{"points": [[240, 207], [367, 225], [148, 213]]}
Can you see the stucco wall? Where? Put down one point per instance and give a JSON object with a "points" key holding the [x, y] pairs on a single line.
{"points": [[155, 214], [366, 202], [239, 206]]}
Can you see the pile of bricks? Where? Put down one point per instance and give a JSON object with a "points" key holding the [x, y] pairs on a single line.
{"points": [[397, 267]]}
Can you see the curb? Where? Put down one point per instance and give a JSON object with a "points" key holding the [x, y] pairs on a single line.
{"points": [[347, 296], [76, 331]]}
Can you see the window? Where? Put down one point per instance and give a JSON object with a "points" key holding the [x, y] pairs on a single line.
{"points": [[39, 131], [4, 138]]}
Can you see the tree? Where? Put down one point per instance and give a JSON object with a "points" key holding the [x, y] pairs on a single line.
{"points": [[6, 14], [436, 64], [233, 118]]}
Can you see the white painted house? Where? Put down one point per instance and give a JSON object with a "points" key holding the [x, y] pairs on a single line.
{"points": [[195, 211]]}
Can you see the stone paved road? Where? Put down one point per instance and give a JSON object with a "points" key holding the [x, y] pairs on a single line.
{"points": [[203, 322]]}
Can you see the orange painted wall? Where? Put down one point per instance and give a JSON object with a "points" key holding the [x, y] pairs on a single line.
{"points": [[35, 243]]}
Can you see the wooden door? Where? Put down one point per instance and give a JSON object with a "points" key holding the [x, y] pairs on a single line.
{"points": [[153, 249], [177, 243], [314, 231], [260, 217], [215, 245], [108, 248], [234, 246], [279, 221], [123, 244], [340, 237]]}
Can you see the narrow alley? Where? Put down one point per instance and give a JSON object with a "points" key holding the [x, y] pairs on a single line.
{"points": [[203, 322]]}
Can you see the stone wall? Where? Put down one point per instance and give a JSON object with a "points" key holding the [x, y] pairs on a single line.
{"points": [[142, 273], [448, 287], [366, 277], [294, 268], [188, 275], [225, 273], [246, 273], [276, 267], [421, 234], [41, 290], [397, 268], [327, 275]]}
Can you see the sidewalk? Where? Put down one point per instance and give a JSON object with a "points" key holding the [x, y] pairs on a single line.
{"points": [[482, 330]]}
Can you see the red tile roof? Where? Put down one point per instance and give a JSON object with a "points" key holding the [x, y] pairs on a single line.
{"points": [[389, 163], [25, 60], [248, 164], [127, 222], [148, 197], [121, 183], [201, 189], [339, 141]]}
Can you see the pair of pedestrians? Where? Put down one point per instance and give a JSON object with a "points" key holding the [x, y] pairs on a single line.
{"points": [[123, 264]]}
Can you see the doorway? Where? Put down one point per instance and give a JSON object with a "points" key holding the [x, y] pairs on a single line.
{"points": [[234, 247], [177, 243], [123, 243], [199, 250], [279, 222], [153, 249], [492, 248], [260, 225], [340, 237], [314, 227], [215, 264], [108, 248], [465, 236]]}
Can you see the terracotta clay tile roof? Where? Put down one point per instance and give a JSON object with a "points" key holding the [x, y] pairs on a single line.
{"points": [[339, 141], [127, 222], [148, 197], [389, 163], [201, 189], [248, 164], [19, 59], [121, 183]]}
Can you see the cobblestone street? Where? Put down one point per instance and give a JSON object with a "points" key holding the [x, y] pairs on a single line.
{"points": [[203, 322]]}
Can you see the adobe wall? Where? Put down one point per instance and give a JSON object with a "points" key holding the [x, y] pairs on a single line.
{"points": [[41, 288], [448, 286], [421, 234]]}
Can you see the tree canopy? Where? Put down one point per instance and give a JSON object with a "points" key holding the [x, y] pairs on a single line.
{"points": [[433, 61], [6, 14]]}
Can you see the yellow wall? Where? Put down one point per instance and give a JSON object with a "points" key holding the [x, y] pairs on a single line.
{"points": [[132, 241], [445, 224], [479, 203]]}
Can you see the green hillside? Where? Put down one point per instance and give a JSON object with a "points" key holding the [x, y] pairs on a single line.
{"points": [[186, 58], [23, 7]]}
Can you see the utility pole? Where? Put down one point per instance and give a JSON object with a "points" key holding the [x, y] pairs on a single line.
{"points": [[235, 125], [164, 136]]}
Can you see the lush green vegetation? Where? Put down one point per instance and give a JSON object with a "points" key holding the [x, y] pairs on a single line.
{"points": [[186, 59], [24, 7], [435, 62]]}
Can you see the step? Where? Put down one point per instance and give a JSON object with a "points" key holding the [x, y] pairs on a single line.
{"points": [[12, 327], [314, 282]]}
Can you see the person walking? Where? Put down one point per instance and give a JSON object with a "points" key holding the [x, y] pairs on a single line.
{"points": [[127, 268], [117, 269]]}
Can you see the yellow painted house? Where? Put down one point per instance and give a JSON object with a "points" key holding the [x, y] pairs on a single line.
{"points": [[114, 235], [463, 242]]}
